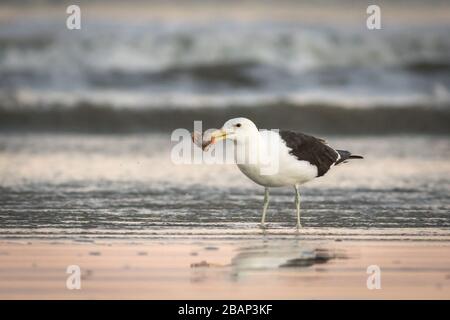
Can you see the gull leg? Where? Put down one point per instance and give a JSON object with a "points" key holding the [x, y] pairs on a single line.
{"points": [[297, 205], [266, 204]]}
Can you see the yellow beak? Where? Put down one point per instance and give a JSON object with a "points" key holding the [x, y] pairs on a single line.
{"points": [[218, 135]]}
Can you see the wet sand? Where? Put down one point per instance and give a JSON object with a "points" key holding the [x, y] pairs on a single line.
{"points": [[226, 269]]}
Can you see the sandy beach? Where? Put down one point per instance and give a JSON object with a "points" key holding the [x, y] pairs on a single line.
{"points": [[89, 170], [212, 269]]}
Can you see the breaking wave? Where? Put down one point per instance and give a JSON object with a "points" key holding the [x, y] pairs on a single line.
{"points": [[222, 63]]}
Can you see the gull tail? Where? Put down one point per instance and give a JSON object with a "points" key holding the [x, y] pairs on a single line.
{"points": [[346, 155]]}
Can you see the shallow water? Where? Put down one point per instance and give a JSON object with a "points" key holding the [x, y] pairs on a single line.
{"points": [[92, 187]]}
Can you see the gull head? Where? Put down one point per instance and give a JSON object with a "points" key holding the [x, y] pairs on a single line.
{"points": [[239, 130]]}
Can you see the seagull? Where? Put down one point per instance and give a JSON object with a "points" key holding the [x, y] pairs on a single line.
{"points": [[273, 158]]}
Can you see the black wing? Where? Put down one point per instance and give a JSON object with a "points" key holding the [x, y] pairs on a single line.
{"points": [[311, 149]]}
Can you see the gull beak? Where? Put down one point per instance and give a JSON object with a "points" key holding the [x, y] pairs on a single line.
{"points": [[218, 135]]}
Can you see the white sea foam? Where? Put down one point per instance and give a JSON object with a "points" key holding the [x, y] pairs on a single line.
{"points": [[221, 63]]}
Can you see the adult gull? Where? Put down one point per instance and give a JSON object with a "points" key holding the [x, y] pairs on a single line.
{"points": [[278, 158]]}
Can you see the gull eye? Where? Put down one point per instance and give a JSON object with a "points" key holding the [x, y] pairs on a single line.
{"points": [[238, 125]]}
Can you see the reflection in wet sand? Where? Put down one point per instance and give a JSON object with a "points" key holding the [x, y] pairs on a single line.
{"points": [[282, 255], [267, 257]]}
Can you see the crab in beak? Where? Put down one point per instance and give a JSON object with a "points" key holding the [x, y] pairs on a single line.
{"points": [[207, 140]]}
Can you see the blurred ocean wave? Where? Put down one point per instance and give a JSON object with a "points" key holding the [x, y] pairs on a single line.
{"points": [[151, 64]]}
